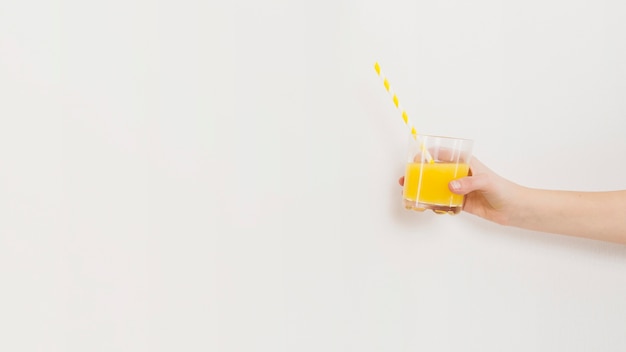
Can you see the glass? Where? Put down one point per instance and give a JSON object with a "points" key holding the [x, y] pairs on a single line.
{"points": [[427, 175]]}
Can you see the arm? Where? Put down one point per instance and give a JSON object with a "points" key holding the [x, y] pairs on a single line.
{"points": [[594, 215]]}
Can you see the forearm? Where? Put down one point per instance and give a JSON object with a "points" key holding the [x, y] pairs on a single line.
{"points": [[595, 215]]}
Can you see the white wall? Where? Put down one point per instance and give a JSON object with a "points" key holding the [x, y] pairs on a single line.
{"points": [[179, 175]]}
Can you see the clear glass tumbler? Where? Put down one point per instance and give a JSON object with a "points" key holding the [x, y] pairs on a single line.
{"points": [[434, 161]]}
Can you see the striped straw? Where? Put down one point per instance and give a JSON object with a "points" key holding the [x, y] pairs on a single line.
{"points": [[396, 102]]}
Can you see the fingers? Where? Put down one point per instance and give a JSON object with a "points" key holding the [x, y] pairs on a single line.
{"points": [[469, 184], [477, 167], [440, 154], [401, 181]]}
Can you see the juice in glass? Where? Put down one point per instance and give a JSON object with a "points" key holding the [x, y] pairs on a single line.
{"points": [[434, 161], [426, 186]]}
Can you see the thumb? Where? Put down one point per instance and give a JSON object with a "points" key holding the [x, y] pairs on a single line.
{"points": [[469, 184]]}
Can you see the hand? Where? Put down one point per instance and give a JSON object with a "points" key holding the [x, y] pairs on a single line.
{"points": [[594, 215], [488, 195]]}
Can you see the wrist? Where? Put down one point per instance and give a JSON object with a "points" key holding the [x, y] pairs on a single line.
{"points": [[520, 206]]}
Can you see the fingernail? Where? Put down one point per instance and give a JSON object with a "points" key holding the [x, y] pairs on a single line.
{"points": [[455, 185]]}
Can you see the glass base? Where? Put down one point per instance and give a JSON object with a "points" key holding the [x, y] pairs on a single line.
{"points": [[438, 209]]}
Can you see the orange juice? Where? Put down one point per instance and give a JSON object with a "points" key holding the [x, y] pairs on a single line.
{"points": [[426, 185]]}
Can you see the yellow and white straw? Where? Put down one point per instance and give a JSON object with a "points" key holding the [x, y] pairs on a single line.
{"points": [[396, 102]]}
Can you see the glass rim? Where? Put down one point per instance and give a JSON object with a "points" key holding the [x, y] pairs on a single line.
{"points": [[442, 137]]}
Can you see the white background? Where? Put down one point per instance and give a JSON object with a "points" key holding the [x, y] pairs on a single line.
{"points": [[203, 176]]}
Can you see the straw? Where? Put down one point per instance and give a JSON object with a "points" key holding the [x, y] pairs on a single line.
{"points": [[405, 116]]}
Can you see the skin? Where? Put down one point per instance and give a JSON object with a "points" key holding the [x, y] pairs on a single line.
{"points": [[593, 215]]}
